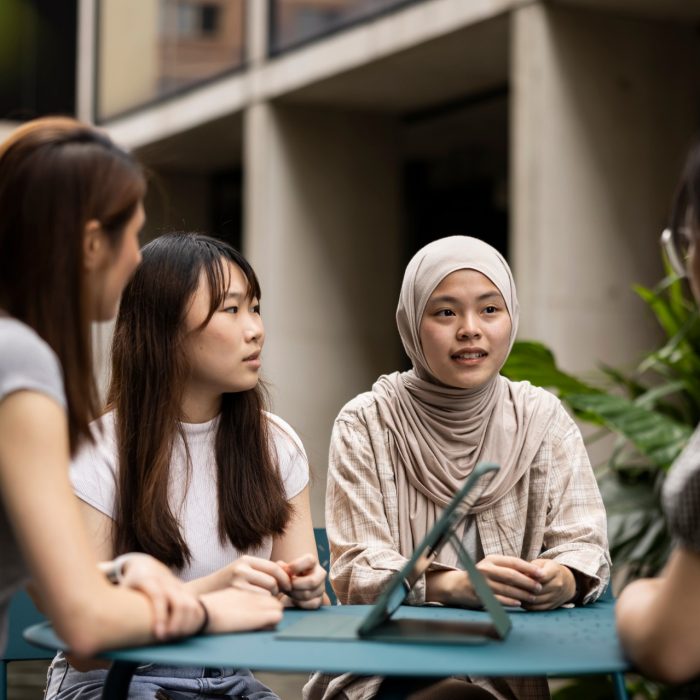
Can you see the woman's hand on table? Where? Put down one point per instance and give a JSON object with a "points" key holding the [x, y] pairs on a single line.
{"points": [[176, 612], [513, 581], [235, 610], [558, 586], [308, 582]]}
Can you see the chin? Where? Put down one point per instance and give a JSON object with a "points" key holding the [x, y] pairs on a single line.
{"points": [[243, 386], [470, 383]]}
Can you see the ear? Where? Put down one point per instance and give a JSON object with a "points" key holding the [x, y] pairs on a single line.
{"points": [[94, 245]]}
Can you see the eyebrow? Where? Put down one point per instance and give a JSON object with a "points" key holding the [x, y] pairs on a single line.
{"points": [[237, 296], [447, 299]]}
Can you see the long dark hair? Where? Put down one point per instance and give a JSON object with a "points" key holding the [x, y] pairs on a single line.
{"points": [[149, 371], [56, 175]]}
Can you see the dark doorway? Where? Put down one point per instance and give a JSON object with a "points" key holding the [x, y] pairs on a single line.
{"points": [[227, 206], [455, 177]]}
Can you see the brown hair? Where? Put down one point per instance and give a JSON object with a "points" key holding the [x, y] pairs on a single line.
{"points": [[56, 175], [149, 371], [686, 204]]}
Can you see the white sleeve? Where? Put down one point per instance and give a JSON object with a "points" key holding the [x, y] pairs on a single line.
{"points": [[93, 469], [291, 457]]}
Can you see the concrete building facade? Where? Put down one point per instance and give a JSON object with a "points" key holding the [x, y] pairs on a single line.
{"points": [[553, 129]]}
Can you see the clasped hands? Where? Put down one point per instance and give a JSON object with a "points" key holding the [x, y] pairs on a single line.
{"points": [[300, 582], [541, 584]]}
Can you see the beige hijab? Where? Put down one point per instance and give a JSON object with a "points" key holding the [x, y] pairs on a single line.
{"points": [[438, 434]]}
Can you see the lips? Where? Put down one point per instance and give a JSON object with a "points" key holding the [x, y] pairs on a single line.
{"points": [[253, 357], [469, 354]]}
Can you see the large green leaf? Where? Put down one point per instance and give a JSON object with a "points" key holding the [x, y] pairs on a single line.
{"points": [[666, 314], [658, 437], [535, 363]]}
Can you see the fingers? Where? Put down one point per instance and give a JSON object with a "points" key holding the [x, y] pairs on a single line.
{"points": [[302, 565], [509, 602], [159, 606], [255, 572], [186, 614], [558, 587], [307, 590], [509, 582], [172, 606], [531, 569], [548, 569]]}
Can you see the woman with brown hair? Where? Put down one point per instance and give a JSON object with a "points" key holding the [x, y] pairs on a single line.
{"points": [[70, 213], [187, 465]]}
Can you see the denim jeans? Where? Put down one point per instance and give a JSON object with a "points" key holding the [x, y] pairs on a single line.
{"points": [[66, 683]]}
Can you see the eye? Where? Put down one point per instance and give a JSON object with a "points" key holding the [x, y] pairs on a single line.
{"points": [[256, 309], [491, 309], [445, 313], [231, 309]]}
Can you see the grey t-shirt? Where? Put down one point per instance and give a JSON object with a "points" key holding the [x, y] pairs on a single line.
{"points": [[26, 363], [681, 495]]}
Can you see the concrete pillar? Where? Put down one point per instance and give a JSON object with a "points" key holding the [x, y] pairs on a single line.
{"points": [[603, 109], [257, 32], [85, 64], [322, 231]]}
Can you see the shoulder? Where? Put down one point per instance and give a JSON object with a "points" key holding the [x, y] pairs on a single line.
{"points": [[561, 442], [27, 362], [532, 393], [356, 410], [547, 406], [93, 470], [101, 451], [681, 494], [292, 463], [283, 435]]}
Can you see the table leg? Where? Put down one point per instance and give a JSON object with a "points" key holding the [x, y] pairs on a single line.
{"points": [[119, 676]]}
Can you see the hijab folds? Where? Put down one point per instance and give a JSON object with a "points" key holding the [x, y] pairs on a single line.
{"points": [[438, 434]]}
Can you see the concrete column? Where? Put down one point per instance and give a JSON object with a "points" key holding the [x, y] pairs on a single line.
{"points": [[257, 31], [86, 61], [603, 109], [322, 231]]}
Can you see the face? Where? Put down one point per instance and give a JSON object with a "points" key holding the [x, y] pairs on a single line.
{"points": [[224, 355], [110, 268], [465, 330]]}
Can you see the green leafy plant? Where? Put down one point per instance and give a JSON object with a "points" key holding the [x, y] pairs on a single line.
{"points": [[651, 409]]}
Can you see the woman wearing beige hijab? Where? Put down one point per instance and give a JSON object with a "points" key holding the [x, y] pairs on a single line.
{"points": [[399, 452]]}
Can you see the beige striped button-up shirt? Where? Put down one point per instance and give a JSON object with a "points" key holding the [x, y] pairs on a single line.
{"points": [[555, 511]]}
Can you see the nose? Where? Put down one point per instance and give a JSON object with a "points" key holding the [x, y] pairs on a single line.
{"points": [[254, 330], [468, 328]]}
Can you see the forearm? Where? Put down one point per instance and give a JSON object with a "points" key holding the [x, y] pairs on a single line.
{"points": [[657, 620], [451, 588], [632, 614], [207, 584], [359, 574]]}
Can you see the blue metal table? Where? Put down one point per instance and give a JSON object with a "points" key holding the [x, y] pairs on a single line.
{"points": [[564, 642]]}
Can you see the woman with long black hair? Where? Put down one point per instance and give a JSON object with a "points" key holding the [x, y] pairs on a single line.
{"points": [[187, 464]]}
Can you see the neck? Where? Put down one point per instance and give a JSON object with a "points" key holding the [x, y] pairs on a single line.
{"points": [[199, 406]]}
